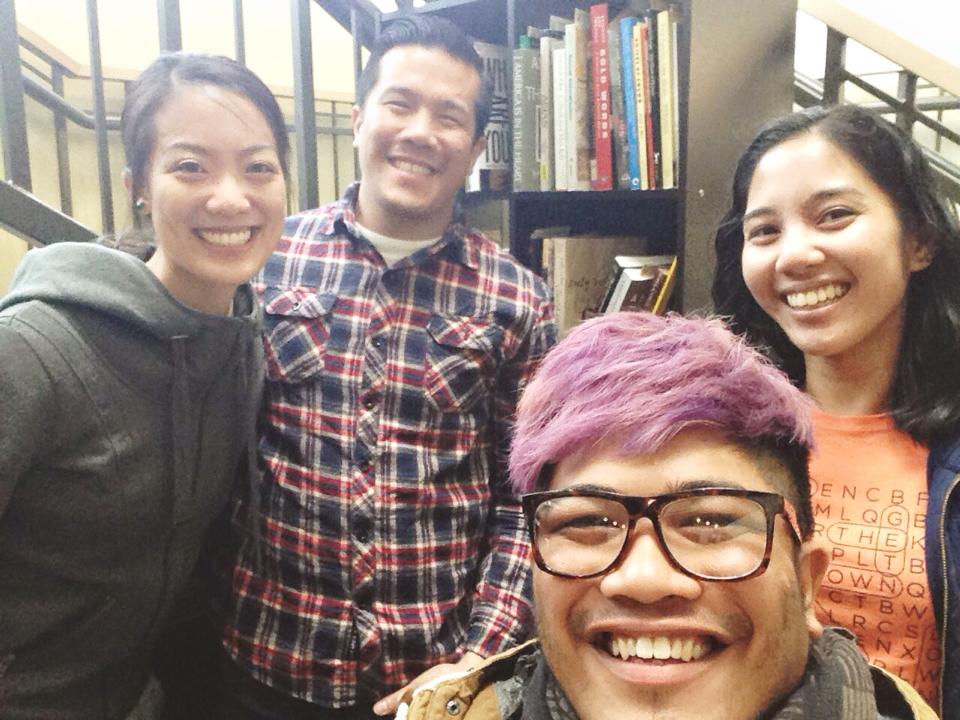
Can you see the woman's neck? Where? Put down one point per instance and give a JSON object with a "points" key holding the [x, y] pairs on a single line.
{"points": [[847, 385]]}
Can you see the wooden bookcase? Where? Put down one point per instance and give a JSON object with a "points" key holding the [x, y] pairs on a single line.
{"points": [[735, 65]]}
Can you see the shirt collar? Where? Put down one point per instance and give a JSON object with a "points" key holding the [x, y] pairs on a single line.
{"points": [[459, 243]]}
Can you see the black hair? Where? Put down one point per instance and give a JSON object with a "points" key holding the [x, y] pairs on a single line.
{"points": [[429, 31], [925, 396], [147, 94]]}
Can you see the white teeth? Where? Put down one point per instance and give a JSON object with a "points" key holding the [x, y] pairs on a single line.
{"points": [[656, 648], [412, 167], [815, 297], [215, 237]]}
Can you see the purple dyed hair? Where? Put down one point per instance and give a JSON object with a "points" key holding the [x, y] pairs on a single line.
{"points": [[641, 379]]}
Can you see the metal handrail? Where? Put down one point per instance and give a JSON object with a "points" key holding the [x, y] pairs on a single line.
{"points": [[908, 110]]}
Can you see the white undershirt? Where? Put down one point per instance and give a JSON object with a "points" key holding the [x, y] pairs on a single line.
{"points": [[391, 249]]}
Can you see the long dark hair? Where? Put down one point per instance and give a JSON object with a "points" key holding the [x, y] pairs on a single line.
{"points": [[925, 395]]}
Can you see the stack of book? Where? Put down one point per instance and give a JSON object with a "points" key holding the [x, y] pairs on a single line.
{"points": [[595, 102], [591, 274]]}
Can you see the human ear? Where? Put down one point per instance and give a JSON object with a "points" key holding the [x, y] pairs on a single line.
{"points": [[479, 145], [356, 120], [919, 253], [811, 567]]}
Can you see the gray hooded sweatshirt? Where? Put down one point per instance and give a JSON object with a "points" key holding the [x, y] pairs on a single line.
{"points": [[124, 417]]}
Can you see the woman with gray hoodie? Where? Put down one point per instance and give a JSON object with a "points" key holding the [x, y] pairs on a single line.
{"points": [[130, 391]]}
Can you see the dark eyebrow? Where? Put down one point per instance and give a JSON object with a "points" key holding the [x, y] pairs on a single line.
{"points": [[702, 483], [672, 487], [201, 150], [818, 197]]}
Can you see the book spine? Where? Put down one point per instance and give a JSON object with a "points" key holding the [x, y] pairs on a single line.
{"points": [[526, 71], [618, 125], [652, 78], [666, 52], [629, 98], [640, 87], [602, 140], [663, 297], [560, 117], [546, 114], [578, 129]]}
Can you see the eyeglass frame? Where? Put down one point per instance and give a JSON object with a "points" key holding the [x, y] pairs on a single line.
{"points": [[649, 506]]}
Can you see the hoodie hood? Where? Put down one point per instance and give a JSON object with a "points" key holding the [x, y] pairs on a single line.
{"points": [[112, 283]]}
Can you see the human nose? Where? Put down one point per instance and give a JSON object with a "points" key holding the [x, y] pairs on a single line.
{"points": [[229, 196], [420, 127], [644, 572], [799, 250]]}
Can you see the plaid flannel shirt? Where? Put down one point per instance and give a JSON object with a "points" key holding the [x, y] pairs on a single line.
{"points": [[389, 538]]}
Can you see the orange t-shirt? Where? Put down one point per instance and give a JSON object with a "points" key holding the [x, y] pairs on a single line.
{"points": [[869, 490]]}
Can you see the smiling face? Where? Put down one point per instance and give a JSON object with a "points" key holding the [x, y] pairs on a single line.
{"points": [[415, 140], [824, 252], [215, 192], [751, 635]]}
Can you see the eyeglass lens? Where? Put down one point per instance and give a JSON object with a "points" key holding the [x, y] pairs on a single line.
{"points": [[712, 536]]}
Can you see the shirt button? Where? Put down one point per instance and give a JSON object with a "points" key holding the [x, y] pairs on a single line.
{"points": [[379, 342], [370, 403]]}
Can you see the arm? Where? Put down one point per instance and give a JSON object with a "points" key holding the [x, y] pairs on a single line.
{"points": [[502, 610], [29, 409]]}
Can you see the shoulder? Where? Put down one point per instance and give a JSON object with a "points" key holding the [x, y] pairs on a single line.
{"points": [[506, 281], [473, 693], [892, 694]]}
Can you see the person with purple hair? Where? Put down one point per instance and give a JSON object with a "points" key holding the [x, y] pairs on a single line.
{"points": [[664, 463]]}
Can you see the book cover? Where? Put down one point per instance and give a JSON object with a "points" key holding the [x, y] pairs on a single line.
{"points": [[526, 97], [666, 59], [561, 116], [640, 39], [629, 98], [547, 181], [576, 39], [491, 172], [580, 272], [600, 75]]}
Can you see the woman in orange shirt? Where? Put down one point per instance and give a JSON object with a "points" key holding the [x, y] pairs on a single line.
{"points": [[840, 258]]}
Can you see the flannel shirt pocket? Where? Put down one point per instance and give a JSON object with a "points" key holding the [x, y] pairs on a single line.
{"points": [[297, 329], [461, 363]]}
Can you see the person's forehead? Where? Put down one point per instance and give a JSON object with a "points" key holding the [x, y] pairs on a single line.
{"points": [[403, 61], [693, 458]]}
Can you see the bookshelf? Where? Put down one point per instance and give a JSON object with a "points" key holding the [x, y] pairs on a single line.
{"points": [[734, 72]]}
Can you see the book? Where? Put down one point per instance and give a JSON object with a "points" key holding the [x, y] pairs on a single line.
{"points": [[618, 125], [666, 64], [491, 172], [579, 272], [633, 281], [640, 71], [561, 116], [652, 92], [602, 179], [629, 99], [576, 38], [526, 98], [547, 181], [668, 278]]}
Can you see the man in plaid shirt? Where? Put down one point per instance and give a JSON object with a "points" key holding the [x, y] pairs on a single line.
{"points": [[384, 539]]}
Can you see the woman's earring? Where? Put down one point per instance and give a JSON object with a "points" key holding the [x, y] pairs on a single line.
{"points": [[139, 204]]}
